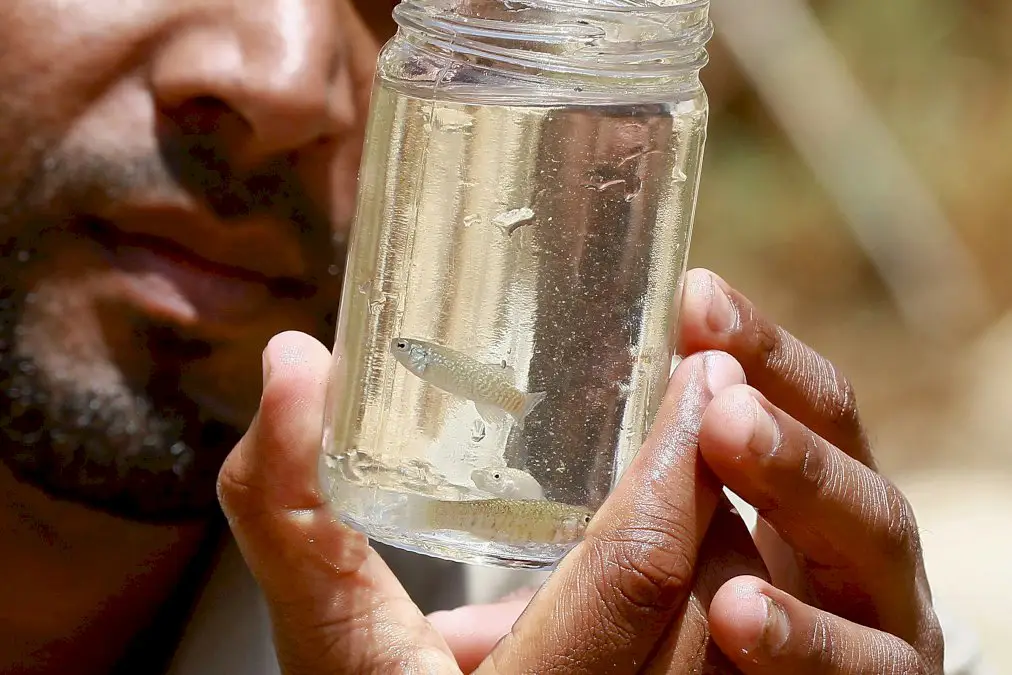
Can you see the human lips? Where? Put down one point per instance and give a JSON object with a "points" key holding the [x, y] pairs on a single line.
{"points": [[189, 272]]}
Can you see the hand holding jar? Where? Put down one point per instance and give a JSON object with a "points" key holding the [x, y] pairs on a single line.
{"points": [[667, 578]]}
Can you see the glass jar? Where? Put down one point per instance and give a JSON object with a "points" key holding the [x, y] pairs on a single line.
{"points": [[526, 199]]}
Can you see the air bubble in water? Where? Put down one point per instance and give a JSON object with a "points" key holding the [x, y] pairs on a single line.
{"points": [[334, 270]]}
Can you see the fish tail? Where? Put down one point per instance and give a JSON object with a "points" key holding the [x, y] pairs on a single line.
{"points": [[531, 401]]}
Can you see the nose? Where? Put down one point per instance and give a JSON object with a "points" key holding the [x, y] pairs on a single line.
{"points": [[274, 63]]}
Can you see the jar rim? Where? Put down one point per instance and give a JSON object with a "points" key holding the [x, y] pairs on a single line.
{"points": [[590, 38], [651, 7]]}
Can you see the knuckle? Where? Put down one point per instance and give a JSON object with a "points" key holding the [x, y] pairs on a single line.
{"points": [[230, 481], [237, 494], [803, 465], [839, 406], [830, 392], [814, 645], [654, 582], [810, 459], [820, 639], [781, 353], [648, 570], [767, 341], [898, 529], [797, 468]]}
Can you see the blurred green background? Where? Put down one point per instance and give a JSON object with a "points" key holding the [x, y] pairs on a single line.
{"points": [[930, 360]]}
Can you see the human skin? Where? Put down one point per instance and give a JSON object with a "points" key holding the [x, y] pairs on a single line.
{"points": [[152, 151], [667, 580]]}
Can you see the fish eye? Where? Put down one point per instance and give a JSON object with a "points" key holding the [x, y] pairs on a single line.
{"points": [[497, 475], [587, 519]]}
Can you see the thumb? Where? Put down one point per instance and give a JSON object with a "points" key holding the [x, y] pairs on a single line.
{"points": [[334, 604]]}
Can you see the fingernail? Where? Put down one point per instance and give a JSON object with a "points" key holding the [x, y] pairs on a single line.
{"points": [[766, 435], [721, 316], [777, 628], [722, 371]]}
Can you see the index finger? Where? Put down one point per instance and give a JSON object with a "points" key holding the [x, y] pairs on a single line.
{"points": [[792, 375], [612, 599]]}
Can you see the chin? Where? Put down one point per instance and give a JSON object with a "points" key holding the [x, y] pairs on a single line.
{"points": [[87, 417], [128, 454]]}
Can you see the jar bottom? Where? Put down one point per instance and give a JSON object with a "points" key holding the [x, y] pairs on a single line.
{"points": [[380, 515]]}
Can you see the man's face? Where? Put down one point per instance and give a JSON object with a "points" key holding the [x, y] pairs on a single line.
{"points": [[176, 182]]}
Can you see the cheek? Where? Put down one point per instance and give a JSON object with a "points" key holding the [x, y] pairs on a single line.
{"points": [[117, 126], [59, 53], [59, 58]]}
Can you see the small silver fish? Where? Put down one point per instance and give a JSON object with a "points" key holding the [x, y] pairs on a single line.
{"points": [[508, 483], [509, 521], [489, 386]]}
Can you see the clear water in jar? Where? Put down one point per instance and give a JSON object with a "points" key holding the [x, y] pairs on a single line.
{"points": [[505, 331]]}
